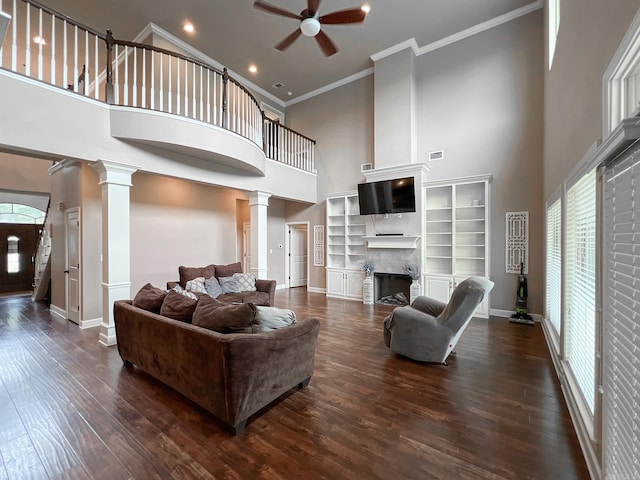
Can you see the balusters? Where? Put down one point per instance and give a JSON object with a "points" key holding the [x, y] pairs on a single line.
{"points": [[40, 43], [53, 49], [153, 81], [96, 77]]}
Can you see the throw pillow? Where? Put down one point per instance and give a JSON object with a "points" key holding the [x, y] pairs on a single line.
{"points": [[178, 306], [229, 285], [196, 285], [214, 315], [247, 281], [184, 292], [272, 318], [189, 273], [149, 298], [212, 286], [228, 270]]}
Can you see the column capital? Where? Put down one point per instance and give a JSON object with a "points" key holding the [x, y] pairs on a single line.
{"points": [[259, 198], [114, 172]]}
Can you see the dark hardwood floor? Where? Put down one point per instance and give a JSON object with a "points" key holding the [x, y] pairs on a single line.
{"points": [[70, 409]]}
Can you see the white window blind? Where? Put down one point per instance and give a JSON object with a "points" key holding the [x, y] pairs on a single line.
{"points": [[554, 264], [580, 281], [621, 342]]}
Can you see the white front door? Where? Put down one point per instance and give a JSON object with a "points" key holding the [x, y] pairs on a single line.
{"points": [[246, 247], [297, 255], [72, 267]]}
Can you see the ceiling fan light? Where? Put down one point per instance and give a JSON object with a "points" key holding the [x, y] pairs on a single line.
{"points": [[310, 27]]}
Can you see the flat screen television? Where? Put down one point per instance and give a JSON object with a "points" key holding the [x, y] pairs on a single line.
{"points": [[387, 196]]}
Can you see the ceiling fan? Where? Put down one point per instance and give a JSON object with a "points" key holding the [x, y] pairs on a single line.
{"points": [[311, 22]]}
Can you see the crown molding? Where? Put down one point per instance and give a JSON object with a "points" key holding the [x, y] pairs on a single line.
{"points": [[152, 28], [456, 37], [330, 86]]}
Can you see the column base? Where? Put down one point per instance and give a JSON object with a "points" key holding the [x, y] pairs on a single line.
{"points": [[108, 335]]}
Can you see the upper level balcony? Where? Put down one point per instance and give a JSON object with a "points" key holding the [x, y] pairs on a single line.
{"points": [[157, 101]]}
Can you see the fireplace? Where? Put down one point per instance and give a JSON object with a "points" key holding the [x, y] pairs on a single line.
{"points": [[391, 288]]}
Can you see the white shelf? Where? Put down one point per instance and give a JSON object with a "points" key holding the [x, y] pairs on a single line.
{"points": [[392, 241]]}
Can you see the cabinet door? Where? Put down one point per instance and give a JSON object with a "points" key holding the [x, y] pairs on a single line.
{"points": [[354, 284], [335, 283], [438, 288]]}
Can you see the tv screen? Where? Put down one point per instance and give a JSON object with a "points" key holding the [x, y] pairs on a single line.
{"points": [[387, 196]]}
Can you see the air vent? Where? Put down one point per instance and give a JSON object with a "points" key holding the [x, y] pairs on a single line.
{"points": [[437, 155], [278, 85], [365, 167]]}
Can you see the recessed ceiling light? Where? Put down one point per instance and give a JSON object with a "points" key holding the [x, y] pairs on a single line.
{"points": [[39, 40], [189, 28], [253, 68], [366, 8]]}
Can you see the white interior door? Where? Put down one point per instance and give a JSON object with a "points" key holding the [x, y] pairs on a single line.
{"points": [[72, 267], [246, 247], [297, 255]]}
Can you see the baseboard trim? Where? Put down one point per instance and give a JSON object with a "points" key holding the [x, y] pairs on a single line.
{"points": [[91, 323], [316, 290], [281, 286], [62, 313], [496, 312]]}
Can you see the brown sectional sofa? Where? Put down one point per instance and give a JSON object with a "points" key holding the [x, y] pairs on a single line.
{"points": [[232, 375], [263, 295]]}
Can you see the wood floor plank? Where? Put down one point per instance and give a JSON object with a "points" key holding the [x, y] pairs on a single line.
{"points": [[70, 409]]}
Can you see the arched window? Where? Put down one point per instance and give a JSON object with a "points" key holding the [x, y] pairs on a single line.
{"points": [[17, 213], [13, 255]]}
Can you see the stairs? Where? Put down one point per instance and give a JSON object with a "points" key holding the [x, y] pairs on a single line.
{"points": [[42, 261]]}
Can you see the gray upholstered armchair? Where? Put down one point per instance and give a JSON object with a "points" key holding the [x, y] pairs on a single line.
{"points": [[428, 330]]}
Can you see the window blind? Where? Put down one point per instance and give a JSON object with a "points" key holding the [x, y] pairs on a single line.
{"points": [[554, 264], [621, 303], [580, 282]]}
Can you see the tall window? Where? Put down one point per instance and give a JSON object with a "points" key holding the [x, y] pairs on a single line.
{"points": [[13, 255], [554, 27], [554, 264], [580, 281]]}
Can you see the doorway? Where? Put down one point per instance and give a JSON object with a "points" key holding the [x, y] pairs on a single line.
{"points": [[297, 254], [72, 263], [17, 246]]}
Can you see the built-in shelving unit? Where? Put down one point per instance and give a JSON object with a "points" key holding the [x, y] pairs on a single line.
{"points": [[346, 246], [456, 234]]}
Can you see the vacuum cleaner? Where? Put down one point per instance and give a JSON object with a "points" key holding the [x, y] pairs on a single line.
{"points": [[522, 312]]}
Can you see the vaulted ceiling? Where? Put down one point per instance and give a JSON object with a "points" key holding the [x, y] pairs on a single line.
{"points": [[236, 34]]}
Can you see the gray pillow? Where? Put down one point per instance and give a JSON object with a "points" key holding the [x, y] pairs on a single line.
{"points": [[230, 285], [272, 318], [212, 286]]}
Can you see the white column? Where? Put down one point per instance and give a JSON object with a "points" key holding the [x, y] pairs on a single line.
{"points": [[258, 203], [115, 181]]}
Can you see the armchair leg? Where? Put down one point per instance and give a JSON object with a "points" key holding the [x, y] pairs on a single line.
{"points": [[304, 383]]}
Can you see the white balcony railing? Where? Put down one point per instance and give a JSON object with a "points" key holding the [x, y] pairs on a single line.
{"points": [[51, 47]]}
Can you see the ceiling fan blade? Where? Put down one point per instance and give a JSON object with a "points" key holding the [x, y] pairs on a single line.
{"points": [[312, 6], [327, 46], [284, 44], [353, 15], [267, 7]]}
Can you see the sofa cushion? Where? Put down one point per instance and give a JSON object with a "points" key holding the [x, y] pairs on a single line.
{"points": [[189, 273], [257, 298], [227, 270], [212, 286], [178, 306], [214, 315], [197, 285], [247, 281], [272, 318], [230, 284], [149, 298]]}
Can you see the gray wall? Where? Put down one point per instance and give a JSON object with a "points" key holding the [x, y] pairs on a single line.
{"points": [[481, 101], [341, 121], [590, 32]]}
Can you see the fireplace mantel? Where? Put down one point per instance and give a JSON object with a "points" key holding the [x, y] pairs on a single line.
{"points": [[392, 241]]}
